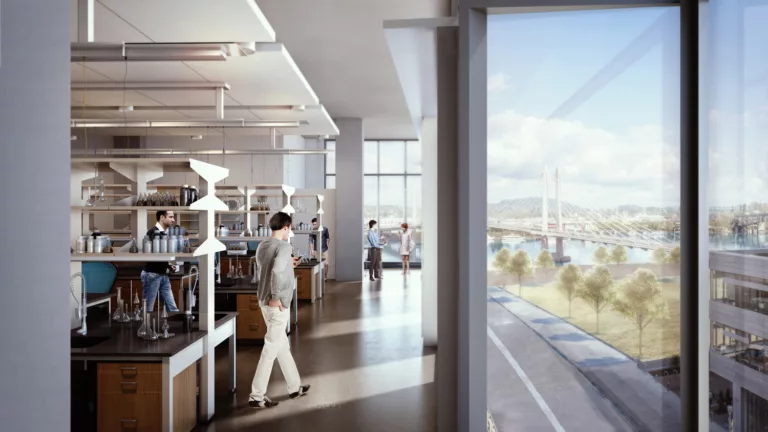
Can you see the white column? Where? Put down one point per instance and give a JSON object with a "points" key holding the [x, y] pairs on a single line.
{"points": [[34, 172], [429, 218], [349, 200]]}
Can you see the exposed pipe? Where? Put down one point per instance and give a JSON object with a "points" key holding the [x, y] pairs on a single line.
{"points": [[218, 123], [187, 152], [273, 137]]}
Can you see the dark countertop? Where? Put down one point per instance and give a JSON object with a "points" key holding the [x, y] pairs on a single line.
{"points": [[123, 341], [309, 265]]}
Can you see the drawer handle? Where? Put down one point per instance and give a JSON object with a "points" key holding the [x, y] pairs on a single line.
{"points": [[128, 424], [253, 326], [133, 372], [126, 384]]}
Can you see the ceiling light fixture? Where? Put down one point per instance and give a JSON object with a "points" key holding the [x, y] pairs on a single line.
{"points": [[125, 109], [113, 52], [183, 152], [196, 137], [299, 108]]}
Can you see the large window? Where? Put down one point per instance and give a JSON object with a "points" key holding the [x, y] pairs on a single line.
{"points": [[392, 190], [583, 217]]}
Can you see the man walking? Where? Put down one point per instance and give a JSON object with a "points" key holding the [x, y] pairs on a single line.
{"points": [[275, 264]]}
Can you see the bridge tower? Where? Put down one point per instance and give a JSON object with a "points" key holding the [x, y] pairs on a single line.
{"points": [[545, 203], [559, 215]]}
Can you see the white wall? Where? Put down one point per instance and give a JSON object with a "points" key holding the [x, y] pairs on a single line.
{"points": [[294, 166], [314, 164], [34, 272]]}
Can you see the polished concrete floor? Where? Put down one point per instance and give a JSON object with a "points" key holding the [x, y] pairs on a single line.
{"points": [[361, 350]]}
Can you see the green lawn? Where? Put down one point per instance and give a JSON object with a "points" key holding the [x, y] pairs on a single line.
{"points": [[661, 338]]}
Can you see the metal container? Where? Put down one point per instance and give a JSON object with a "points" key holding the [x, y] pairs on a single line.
{"points": [[147, 245], [82, 244], [193, 194], [89, 245], [184, 195], [223, 231], [173, 243], [163, 243], [98, 244], [156, 244]]}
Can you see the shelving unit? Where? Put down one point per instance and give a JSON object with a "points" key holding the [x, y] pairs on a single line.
{"points": [[131, 257]]}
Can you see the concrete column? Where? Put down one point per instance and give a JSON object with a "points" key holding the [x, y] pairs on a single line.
{"points": [[736, 394], [34, 83], [473, 218], [349, 200], [429, 262]]}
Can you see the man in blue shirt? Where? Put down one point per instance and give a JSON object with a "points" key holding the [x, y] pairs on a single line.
{"points": [[374, 253], [326, 240]]}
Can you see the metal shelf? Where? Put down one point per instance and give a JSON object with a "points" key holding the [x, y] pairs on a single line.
{"points": [[131, 257]]}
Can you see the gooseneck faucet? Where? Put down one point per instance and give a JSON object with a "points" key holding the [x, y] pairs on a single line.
{"points": [[82, 307]]}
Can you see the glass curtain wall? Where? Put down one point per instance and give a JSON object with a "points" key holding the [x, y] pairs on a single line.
{"points": [[583, 219], [734, 85], [391, 191]]}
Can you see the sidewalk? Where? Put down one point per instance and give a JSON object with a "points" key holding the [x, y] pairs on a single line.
{"points": [[640, 398]]}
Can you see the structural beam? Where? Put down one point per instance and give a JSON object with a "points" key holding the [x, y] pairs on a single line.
{"points": [[85, 21]]}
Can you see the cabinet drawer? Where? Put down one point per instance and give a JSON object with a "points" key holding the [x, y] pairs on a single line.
{"points": [[251, 325], [130, 413], [248, 302], [129, 378]]}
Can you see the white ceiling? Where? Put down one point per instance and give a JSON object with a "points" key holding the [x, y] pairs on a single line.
{"points": [[270, 77], [341, 48]]}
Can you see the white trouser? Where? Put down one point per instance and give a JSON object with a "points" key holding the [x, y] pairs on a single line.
{"points": [[276, 346]]}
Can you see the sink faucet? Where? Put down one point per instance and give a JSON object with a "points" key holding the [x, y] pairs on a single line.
{"points": [[82, 307]]}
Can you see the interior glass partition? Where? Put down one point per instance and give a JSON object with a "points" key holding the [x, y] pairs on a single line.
{"points": [[583, 241], [391, 192]]}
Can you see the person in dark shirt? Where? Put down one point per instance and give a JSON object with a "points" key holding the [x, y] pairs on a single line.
{"points": [[154, 276], [326, 240]]}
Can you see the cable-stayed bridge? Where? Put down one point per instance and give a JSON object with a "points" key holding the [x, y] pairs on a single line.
{"points": [[589, 226]]}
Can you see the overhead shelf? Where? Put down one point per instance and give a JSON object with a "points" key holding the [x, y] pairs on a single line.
{"points": [[131, 257]]}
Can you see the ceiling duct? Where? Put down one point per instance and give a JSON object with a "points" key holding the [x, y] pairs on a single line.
{"points": [[117, 52], [133, 152], [233, 123]]}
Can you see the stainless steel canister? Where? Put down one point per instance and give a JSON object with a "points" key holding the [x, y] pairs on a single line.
{"points": [[147, 245], [98, 245], [163, 244], [172, 244], [156, 244], [82, 244]]}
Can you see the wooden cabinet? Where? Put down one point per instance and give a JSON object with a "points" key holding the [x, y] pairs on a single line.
{"points": [[305, 280], [130, 398], [250, 321]]}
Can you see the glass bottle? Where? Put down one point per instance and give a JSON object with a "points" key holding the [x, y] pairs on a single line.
{"points": [[136, 307], [151, 333]]}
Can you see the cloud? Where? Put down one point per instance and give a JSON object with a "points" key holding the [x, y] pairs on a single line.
{"points": [[598, 168], [498, 82]]}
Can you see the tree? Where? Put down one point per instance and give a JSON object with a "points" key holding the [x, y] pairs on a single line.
{"points": [[569, 280], [674, 255], [601, 256], [641, 301], [521, 266], [619, 254], [502, 260], [597, 291], [544, 260], [660, 256]]}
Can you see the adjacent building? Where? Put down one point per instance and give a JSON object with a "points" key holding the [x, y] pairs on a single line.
{"points": [[739, 333]]}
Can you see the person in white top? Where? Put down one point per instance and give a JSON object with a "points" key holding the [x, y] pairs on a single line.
{"points": [[406, 246]]}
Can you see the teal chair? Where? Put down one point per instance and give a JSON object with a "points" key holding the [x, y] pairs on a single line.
{"points": [[100, 276]]}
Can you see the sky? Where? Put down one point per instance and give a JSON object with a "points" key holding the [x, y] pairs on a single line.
{"points": [[616, 141]]}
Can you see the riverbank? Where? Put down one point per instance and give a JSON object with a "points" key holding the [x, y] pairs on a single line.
{"points": [[661, 339]]}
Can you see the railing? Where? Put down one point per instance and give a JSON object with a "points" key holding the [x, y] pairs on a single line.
{"points": [[596, 238]]}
